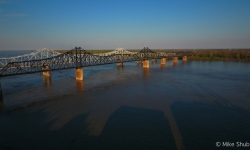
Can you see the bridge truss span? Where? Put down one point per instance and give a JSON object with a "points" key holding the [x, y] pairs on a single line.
{"points": [[118, 51], [36, 55], [74, 58]]}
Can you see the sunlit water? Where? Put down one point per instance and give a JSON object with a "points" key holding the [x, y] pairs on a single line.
{"points": [[188, 105]]}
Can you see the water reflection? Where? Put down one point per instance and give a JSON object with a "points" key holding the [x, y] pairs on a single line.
{"points": [[120, 68], [47, 81], [145, 72], [163, 66], [184, 63], [80, 85], [1, 103], [175, 64]]}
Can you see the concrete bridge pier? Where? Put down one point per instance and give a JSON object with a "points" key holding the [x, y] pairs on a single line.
{"points": [[175, 60], [120, 64], [79, 73], [145, 64], [184, 58], [46, 73], [47, 81], [163, 61]]}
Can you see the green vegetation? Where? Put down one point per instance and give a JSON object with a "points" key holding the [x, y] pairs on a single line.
{"points": [[242, 55]]}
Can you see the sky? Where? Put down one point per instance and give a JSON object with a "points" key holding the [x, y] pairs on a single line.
{"points": [[109, 24]]}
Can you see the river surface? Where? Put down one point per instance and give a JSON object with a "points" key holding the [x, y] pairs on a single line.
{"points": [[189, 105]]}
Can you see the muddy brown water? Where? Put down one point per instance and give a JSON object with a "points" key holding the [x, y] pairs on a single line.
{"points": [[189, 105]]}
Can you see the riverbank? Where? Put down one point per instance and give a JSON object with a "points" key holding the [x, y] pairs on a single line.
{"points": [[225, 55]]}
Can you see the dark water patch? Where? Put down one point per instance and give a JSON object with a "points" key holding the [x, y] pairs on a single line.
{"points": [[29, 130], [126, 128], [20, 129], [137, 128], [203, 125]]}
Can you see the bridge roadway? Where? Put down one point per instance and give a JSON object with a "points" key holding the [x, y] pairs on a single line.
{"points": [[77, 58]]}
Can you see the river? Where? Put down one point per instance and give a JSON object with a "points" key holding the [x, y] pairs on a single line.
{"points": [[189, 105]]}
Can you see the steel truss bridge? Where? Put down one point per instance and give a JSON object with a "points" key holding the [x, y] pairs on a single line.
{"points": [[38, 54], [74, 58], [118, 51]]}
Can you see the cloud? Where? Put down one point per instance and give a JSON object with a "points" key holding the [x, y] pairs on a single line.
{"points": [[1, 10], [14, 15]]}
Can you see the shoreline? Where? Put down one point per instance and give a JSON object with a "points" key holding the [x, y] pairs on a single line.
{"points": [[218, 59]]}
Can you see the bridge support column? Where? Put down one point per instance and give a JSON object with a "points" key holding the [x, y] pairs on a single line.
{"points": [[184, 58], [163, 61], [175, 59], [146, 64], [79, 73], [120, 64], [47, 73]]}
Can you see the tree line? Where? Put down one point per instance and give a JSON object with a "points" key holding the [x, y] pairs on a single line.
{"points": [[241, 55]]}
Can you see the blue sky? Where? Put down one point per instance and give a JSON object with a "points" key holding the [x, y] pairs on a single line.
{"points": [[108, 24]]}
